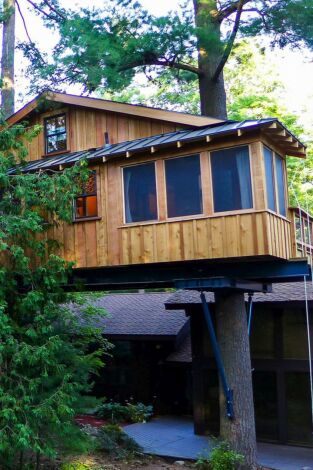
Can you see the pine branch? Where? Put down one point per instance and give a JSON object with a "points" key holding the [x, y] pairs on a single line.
{"points": [[23, 20], [230, 9], [163, 63], [43, 12], [231, 41], [52, 8]]}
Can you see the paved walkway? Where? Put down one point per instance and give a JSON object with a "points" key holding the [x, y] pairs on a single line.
{"points": [[174, 437]]}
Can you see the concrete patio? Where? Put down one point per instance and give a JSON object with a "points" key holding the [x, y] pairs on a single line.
{"points": [[174, 437]]}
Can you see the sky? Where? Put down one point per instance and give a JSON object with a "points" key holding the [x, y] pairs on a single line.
{"points": [[295, 67]]}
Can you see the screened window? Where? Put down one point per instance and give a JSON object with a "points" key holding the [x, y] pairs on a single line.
{"points": [[55, 134], [86, 202], [270, 178], [183, 186], [231, 179], [281, 190], [140, 193]]}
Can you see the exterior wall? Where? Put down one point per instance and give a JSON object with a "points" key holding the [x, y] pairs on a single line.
{"points": [[86, 128], [280, 373], [108, 241]]}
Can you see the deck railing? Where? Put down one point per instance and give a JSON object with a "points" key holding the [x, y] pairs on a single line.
{"points": [[303, 233]]}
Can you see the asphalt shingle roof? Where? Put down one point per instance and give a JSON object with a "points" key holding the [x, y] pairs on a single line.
{"points": [[282, 292], [139, 315]]}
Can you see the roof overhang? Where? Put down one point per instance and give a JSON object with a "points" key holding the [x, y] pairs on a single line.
{"points": [[111, 106]]}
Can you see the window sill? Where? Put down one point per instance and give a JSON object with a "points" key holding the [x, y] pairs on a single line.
{"points": [[53, 154], [86, 219]]}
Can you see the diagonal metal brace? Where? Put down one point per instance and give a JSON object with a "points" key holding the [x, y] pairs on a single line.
{"points": [[228, 393]]}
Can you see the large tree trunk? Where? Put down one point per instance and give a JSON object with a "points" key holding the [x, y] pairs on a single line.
{"points": [[233, 339], [7, 59], [212, 91]]}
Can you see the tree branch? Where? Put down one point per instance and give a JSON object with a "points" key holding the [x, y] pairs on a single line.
{"points": [[43, 12], [229, 10], [23, 20], [231, 41], [52, 8], [163, 63]]}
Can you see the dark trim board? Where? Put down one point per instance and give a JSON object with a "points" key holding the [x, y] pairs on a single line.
{"points": [[154, 275]]}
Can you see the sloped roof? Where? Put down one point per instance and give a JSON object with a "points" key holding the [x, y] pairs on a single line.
{"points": [[282, 293], [112, 106], [159, 141], [139, 315]]}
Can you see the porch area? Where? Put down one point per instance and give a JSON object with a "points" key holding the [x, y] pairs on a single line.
{"points": [[174, 437]]}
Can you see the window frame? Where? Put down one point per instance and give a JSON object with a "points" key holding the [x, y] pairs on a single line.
{"points": [[182, 217], [85, 196], [233, 211], [275, 155], [156, 193], [54, 116]]}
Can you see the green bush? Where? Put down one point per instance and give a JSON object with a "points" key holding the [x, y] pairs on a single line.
{"points": [[221, 457], [130, 412], [116, 443]]}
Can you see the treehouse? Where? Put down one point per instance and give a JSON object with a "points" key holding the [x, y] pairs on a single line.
{"points": [[169, 187]]}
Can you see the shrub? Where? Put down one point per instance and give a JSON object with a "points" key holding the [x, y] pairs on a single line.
{"points": [[116, 443], [130, 412], [221, 457]]}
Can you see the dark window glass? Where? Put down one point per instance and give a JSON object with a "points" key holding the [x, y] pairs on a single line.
{"points": [[140, 193], [55, 134], [231, 179], [183, 186], [280, 185], [270, 179], [86, 202]]}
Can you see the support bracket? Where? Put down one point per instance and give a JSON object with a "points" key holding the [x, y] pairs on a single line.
{"points": [[228, 392]]}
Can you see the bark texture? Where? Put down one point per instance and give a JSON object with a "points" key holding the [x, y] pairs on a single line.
{"points": [[7, 60], [233, 339], [212, 91]]}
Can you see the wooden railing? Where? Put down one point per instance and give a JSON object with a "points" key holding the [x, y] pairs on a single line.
{"points": [[302, 229]]}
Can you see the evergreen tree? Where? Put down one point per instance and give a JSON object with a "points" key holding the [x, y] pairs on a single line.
{"points": [[45, 360], [107, 48]]}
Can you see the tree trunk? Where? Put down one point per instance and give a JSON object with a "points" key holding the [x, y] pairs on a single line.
{"points": [[7, 60], [212, 91], [233, 339]]}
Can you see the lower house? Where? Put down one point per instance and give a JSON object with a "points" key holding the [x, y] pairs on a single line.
{"points": [[163, 356]]}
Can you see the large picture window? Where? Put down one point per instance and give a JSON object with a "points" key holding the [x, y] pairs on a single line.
{"points": [[231, 179], [55, 134], [183, 186], [270, 178], [140, 198], [281, 189], [86, 203]]}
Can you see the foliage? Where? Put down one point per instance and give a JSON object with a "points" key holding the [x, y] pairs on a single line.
{"points": [[106, 48], [116, 443], [130, 412], [221, 457], [45, 360]]}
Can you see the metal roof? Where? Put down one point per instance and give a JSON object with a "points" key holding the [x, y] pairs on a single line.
{"points": [[158, 141]]}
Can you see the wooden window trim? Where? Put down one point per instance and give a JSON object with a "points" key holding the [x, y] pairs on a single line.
{"points": [[235, 211], [182, 217], [150, 221], [57, 152], [85, 196]]}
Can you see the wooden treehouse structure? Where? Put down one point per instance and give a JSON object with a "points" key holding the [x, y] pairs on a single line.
{"points": [[171, 195], [175, 200]]}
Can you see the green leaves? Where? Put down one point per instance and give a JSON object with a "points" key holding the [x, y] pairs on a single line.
{"points": [[44, 358]]}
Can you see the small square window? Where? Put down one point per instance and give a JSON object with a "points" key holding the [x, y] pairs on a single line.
{"points": [[86, 203], [55, 134]]}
